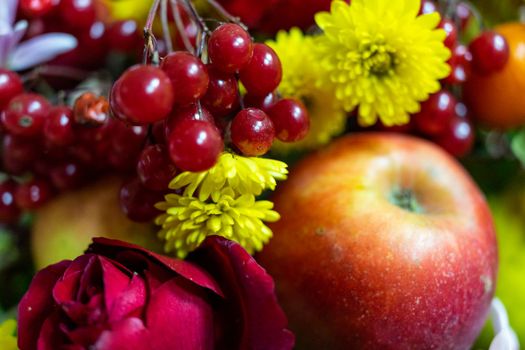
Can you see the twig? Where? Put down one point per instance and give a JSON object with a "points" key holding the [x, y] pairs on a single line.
{"points": [[180, 26], [165, 25]]}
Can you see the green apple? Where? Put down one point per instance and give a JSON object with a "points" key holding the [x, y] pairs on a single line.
{"points": [[64, 227]]}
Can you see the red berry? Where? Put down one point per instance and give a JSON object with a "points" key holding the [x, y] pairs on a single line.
{"points": [[436, 113], [137, 202], [9, 211], [458, 137], [230, 48], [291, 120], [460, 62], [78, 13], [427, 6], [25, 114], [222, 96], [10, 86], [190, 112], [195, 145], [35, 8], [68, 175], [18, 154], [126, 143], [490, 53], [464, 13], [31, 195], [142, 95], [252, 132], [191, 30], [264, 103], [263, 73], [452, 33], [159, 132], [155, 168], [58, 126], [188, 75], [124, 36]]}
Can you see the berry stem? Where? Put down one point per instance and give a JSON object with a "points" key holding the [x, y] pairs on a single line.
{"points": [[225, 14], [150, 46], [165, 25], [180, 26]]}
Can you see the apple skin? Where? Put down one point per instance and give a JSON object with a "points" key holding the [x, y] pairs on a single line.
{"points": [[63, 228], [355, 271]]}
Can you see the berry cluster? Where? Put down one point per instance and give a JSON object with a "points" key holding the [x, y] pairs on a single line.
{"points": [[195, 109], [443, 117], [49, 148], [96, 38]]}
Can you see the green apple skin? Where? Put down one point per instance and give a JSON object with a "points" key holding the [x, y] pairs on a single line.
{"points": [[63, 228], [508, 210], [384, 242]]}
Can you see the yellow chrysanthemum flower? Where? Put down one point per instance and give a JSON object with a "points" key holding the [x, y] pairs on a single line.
{"points": [[7, 335], [188, 220], [301, 76], [381, 56], [244, 175]]}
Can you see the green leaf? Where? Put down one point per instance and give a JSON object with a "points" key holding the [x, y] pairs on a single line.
{"points": [[518, 146]]}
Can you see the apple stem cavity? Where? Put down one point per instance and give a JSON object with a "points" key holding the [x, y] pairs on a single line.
{"points": [[405, 199]]}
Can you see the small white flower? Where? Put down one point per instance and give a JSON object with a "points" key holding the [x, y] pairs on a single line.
{"points": [[17, 55]]}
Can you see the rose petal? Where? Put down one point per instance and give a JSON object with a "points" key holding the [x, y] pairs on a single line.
{"points": [[251, 291], [50, 337], [179, 317], [111, 248], [130, 333], [36, 304], [115, 281], [40, 49], [66, 288], [130, 301]]}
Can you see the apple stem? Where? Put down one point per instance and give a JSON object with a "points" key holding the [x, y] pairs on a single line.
{"points": [[405, 199]]}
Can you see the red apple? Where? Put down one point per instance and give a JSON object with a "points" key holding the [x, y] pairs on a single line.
{"points": [[385, 242]]}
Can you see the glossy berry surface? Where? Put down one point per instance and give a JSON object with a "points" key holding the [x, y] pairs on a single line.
{"points": [[263, 73], [33, 194], [123, 36], [142, 95], [187, 74], [9, 211], [252, 132], [58, 126], [194, 145], [490, 53], [461, 66], [155, 168], [458, 137], [10, 86], [78, 13], [137, 202], [436, 113], [25, 114], [427, 6], [222, 96], [18, 154], [452, 33], [191, 112], [230, 48], [291, 120], [35, 8], [264, 103], [68, 175]]}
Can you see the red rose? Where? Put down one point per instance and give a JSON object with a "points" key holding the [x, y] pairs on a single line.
{"points": [[122, 296]]}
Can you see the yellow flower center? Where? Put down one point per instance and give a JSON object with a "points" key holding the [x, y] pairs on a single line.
{"points": [[378, 58]]}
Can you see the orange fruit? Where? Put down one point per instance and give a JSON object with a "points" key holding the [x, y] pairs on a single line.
{"points": [[498, 100]]}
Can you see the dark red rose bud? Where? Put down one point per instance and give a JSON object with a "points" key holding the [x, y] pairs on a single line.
{"points": [[122, 296]]}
